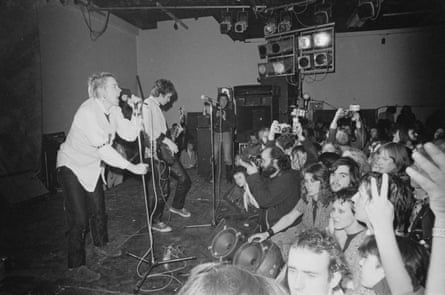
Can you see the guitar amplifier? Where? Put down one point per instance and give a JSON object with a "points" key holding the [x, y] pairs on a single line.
{"points": [[203, 121]]}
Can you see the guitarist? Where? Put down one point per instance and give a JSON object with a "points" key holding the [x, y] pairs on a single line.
{"points": [[161, 151]]}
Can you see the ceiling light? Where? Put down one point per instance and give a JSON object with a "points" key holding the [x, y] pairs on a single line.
{"points": [[304, 42], [322, 39], [285, 22], [284, 66], [271, 26], [241, 24], [226, 23], [262, 50]]}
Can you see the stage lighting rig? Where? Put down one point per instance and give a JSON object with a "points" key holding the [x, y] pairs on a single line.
{"points": [[242, 22]]}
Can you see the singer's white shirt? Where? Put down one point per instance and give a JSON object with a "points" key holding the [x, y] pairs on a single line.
{"points": [[89, 139]]}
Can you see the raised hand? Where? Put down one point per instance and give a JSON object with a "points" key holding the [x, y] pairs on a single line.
{"points": [[432, 180], [379, 209]]}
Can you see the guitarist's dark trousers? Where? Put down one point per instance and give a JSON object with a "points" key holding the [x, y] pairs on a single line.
{"points": [[162, 172]]}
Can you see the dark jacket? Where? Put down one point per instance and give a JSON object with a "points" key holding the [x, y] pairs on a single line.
{"points": [[277, 195]]}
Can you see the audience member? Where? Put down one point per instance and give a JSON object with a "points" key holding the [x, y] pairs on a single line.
{"points": [[314, 208], [316, 264], [344, 173], [227, 279]]}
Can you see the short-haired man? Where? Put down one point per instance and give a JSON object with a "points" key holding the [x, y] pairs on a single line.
{"points": [[316, 264], [160, 152]]}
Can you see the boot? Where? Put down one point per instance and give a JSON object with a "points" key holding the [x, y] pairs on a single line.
{"points": [[229, 176]]}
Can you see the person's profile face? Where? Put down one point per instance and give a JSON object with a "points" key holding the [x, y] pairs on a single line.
{"points": [[164, 98], [360, 200], [110, 91], [240, 179], [342, 214]]}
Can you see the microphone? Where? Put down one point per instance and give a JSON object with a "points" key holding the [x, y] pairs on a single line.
{"points": [[209, 100], [206, 98], [306, 99]]}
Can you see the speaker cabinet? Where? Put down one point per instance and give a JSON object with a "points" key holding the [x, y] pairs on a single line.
{"points": [[50, 146], [204, 151], [256, 107]]}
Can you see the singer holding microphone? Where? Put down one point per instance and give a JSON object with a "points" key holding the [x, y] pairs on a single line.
{"points": [[80, 167]]}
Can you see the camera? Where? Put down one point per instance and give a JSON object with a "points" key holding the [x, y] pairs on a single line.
{"points": [[256, 159], [250, 158], [283, 128], [353, 108]]}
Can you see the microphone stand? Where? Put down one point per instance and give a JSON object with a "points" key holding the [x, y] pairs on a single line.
{"points": [[212, 161], [152, 262]]}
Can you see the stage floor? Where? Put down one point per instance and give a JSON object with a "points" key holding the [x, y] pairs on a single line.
{"points": [[32, 237]]}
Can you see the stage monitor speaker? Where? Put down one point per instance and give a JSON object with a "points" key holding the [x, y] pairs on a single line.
{"points": [[204, 151]]}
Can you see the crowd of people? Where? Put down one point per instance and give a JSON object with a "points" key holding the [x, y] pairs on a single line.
{"points": [[355, 209]]}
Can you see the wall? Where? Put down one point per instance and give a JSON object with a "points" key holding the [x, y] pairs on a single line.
{"points": [[197, 60], [69, 57], [382, 68], [404, 69]]}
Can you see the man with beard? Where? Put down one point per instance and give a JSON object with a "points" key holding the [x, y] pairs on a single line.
{"points": [[277, 188]]}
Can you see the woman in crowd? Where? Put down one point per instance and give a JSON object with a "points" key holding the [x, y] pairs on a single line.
{"points": [[392, 158], [348, 231], [313, 207]]}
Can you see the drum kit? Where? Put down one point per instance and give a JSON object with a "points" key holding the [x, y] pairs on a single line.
{"points": [[230, 246]]}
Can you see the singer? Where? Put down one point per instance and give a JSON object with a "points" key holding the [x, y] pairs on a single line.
{"points": [[223, 125], [80, 163], [161, 151]]}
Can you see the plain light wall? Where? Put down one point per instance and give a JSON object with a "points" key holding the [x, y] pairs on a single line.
{"points": [[380, 68], [69, 57], [197, 60]]}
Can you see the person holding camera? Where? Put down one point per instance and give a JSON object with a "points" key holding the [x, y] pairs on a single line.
{"points": [[276, 188], [343, 132]]}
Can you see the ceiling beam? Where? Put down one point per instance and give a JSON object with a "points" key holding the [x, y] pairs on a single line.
{"points": [[116, 8], [172, 16]]}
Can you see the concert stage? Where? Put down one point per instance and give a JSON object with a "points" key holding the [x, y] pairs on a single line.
{"points": [[32, 238]]}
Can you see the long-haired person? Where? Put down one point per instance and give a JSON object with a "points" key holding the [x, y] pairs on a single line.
{"points": [[391, 158], [79, 168], [314, 208]]}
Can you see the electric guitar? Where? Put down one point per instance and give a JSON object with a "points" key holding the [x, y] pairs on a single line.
{"points": [[163, 151]]}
